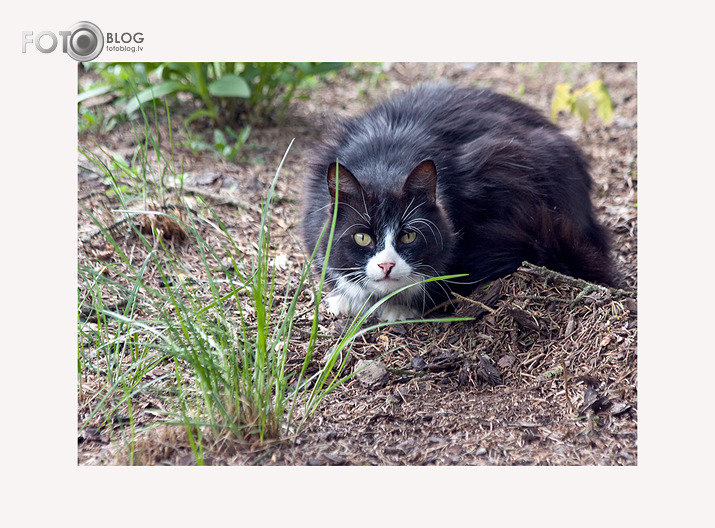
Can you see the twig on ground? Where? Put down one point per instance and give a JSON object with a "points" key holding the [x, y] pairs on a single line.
{"points": [[541, 298], [440, 306], [578, 283], [475, 302]]}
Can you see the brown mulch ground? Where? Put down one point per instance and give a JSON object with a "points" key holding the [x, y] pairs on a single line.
{"points": [[545, 375]]}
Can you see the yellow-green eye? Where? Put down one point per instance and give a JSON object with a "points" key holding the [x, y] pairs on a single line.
{"points": [[362, 239], [408, 238]]}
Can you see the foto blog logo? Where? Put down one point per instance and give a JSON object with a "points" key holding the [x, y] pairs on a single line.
{"points": [[83, 41]]}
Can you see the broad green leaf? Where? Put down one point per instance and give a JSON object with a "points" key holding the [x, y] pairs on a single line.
{"points": [[305, 67], [155, 92], [230, 86], [94, 92]]}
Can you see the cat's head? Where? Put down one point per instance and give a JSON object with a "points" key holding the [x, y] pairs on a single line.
{"points": [[387, 239]]}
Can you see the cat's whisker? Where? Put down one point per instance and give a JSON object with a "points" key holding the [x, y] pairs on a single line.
{"points": [[350, 227], [437, 284], [350, 268], [435, 273], [319, 209], [365, 216], [411, 224], [359, 274], [418, 230], [409, 211], [422, 265]]}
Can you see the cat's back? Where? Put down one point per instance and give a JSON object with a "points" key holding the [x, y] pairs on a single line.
{"points": [[430, 120], [443, 108], [437, 109]]}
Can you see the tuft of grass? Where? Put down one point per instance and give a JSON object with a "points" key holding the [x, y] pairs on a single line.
{"points": [[211, 343]]}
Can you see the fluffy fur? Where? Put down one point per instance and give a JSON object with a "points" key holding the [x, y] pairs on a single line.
{"points": [[442, 180]]}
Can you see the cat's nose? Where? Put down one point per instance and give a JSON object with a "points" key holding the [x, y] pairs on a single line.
{"points": [[386, 267]]}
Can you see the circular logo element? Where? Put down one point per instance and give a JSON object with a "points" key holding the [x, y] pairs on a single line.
{"points": [[86, 41]]}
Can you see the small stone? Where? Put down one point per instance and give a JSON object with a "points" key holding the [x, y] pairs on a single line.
{"points": [[204, 178], [371, 374]]}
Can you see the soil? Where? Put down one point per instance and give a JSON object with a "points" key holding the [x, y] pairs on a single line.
{"points": [[546, 374]]}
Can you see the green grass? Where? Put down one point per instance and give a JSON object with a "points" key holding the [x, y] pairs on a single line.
{"points": [[230, 96], [221, 333], [227, 369]]}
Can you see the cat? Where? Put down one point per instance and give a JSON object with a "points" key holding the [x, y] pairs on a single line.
{"points": [[442, 180]]}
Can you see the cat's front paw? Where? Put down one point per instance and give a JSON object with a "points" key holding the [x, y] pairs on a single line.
{"points": [[338, 304], [397, 312]]}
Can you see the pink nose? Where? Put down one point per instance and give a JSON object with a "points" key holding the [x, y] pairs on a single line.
{"points": [[386, 267]]}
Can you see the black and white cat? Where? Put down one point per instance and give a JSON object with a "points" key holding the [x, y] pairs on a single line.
{"points": [[441, 180]]}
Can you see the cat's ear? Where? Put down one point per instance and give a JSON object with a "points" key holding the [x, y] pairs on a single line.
{"points": [[423, 180], [347, 183]]}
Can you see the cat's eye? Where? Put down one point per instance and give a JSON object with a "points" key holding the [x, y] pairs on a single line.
{"points": [[408, 238], [362, 239]]}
